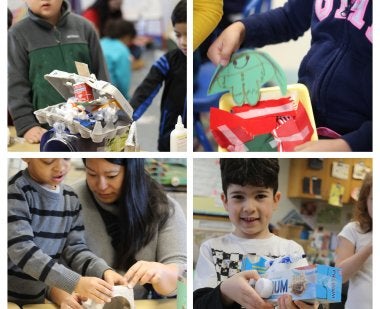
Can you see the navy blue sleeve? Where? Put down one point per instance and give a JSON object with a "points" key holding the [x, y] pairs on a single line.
{"points": [[209, 298], [361, 139], [148, 89], [278, 25]]}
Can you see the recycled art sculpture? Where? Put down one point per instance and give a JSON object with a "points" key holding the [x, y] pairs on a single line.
{"points": [[252, 118], [246, 73]]}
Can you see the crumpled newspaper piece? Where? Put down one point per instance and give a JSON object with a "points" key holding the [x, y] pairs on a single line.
{"points": [[122, 298]]}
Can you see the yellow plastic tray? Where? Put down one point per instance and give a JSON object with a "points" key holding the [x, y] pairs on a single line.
{"points": [[298, 92]]}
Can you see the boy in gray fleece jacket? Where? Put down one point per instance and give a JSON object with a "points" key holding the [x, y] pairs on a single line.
{"points": [[49, 38], [45, 226]]}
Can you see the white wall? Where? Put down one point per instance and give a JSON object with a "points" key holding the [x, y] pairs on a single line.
{"points": [[145, 9]]}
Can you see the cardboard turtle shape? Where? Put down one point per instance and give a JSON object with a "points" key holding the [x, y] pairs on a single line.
{"points": [[245, 74]]}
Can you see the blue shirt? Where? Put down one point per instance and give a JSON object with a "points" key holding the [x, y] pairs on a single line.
{"points": [[118, 59]]}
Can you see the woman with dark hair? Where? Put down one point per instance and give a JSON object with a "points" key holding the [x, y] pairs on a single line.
{"points": [[133, 225], [101, 11]]}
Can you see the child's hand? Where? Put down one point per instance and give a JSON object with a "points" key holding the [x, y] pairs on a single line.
{"points": [[237, 289], [226, 44], [324, 145], [33, 135], [285, 302], [72, 301], [94, 288], [162, 277], [114, 278]]}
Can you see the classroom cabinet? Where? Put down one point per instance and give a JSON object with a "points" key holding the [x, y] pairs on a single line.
{"points": [[314, 178]]}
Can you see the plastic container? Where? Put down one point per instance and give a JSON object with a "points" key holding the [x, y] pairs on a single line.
{"points": [[178, 137], [64, 83], [298, 92]]}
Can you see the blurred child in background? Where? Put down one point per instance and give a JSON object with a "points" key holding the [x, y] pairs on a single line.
{"points": [[101, 11], [118, 36], [354, 251]]}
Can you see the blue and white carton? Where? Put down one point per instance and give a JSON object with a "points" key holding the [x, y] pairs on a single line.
{"points": [[309, 283]]}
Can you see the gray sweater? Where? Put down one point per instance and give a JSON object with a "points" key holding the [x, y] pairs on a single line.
{"points": [[44, 227], [167, 246]]}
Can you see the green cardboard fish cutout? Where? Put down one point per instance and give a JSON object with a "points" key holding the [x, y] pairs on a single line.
{"points": [[245, 74]]}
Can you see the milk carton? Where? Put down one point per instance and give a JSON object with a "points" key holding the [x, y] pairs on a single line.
{"points": [[309, 283]]}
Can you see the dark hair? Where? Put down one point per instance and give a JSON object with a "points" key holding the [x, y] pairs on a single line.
{"points": [[254, 172], [10, 18], [117, 28], [101, 6], [179, 14], [361, 214], [144, 210]]}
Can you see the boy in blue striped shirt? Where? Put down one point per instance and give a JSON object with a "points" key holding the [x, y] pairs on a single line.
{"points": [[45, 229]]}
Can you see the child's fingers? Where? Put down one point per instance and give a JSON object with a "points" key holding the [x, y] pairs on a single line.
{"points": [[213, 52], [104, 286], [250, 274], [119, 280], [103, 292], [99, 297], [71, 305]]}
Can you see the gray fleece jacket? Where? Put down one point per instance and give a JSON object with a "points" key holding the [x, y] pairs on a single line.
{"points": [[36, 48]]}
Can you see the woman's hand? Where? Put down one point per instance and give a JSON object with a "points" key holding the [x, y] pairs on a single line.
{"points": [[113, 277], [163, 277]]}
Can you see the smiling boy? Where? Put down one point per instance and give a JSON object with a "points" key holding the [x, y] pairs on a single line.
{"points": [[250, 197]]}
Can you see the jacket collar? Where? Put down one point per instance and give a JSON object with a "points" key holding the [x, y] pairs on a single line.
{"points": [[65, 11]]}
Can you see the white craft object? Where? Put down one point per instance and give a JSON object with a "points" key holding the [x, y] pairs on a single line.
{"points": [[122, 298], [264, 287], [62, 82]]}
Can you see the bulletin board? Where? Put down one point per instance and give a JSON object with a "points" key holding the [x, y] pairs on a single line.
{"points": [[207, 187]]}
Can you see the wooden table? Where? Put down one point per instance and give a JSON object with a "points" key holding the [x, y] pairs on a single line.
{"points": [[140, 304], [20, 145]]}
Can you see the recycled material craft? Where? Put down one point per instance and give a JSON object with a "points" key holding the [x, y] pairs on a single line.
{"points": [[246, 73], [278, 122]]}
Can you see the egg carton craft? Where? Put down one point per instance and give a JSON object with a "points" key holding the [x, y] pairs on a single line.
{"points": [[94, 109]]}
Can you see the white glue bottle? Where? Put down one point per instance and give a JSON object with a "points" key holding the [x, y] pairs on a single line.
{"points": [[178, 137]]}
